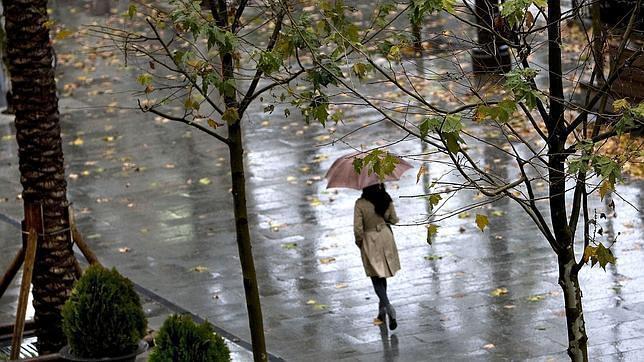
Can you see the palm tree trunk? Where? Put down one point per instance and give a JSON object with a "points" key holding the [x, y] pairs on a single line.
{"points": [[41, 161]]}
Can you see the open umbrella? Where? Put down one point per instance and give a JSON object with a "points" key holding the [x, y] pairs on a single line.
{"points": [[343, 174]]}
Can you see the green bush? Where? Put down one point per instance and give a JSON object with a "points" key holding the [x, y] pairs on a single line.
{"points": [[181, 339], [103, 317]]}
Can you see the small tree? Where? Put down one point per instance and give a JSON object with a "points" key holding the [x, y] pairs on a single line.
{"points": [[564, 145]]}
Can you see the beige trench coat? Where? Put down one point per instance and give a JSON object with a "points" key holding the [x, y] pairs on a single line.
{"points": [[375, 239]]}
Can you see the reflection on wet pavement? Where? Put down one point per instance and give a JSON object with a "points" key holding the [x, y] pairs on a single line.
{"points": [[152, 198]]}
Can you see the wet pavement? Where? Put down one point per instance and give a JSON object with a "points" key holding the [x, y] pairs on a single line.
{"points": [[152, 198]]}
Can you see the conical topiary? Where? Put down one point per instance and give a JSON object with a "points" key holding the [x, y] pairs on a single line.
{"points": [[103, 317], [181, 339]]}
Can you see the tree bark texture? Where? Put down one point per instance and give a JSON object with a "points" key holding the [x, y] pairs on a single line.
{"points": [[569, 282], [41, 161], [244, 245]]}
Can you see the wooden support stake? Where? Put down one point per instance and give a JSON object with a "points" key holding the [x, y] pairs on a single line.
{"points": [[11, 272], [23, 299], [80, 242]]}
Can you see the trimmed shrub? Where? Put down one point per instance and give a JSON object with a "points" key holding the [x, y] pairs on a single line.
{"points": [[181, 339], [103, 317]]}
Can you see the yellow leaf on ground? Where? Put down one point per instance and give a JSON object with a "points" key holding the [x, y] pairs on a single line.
{"points": [[200, 269], [205, 181], [124, 249], [311, 301], [328, 260], [78, 141], [341, 285], [499, 292]]}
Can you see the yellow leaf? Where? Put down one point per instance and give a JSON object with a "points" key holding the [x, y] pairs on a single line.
{"points": [[421, 172], [78, 141], [605, 188], [489, 346], [315, 202], [536, 298], [62, 34], [341, 285], [499, 292], [212, 123], [200, 269], [621, 104], [328, 260], [311, 301], [481, 221], [205, 181], [464, 215]]}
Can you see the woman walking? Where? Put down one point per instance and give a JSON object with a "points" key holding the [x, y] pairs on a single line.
{"points": [[373, 214]]}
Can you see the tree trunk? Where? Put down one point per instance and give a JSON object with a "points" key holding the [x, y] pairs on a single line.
{"points": [[569, 282], [416, 31], [244, 244], [41, 161], [236, 148]]}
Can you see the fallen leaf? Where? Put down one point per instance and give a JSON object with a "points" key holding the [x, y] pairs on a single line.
{"points": [[320, 306], [205, 181], [315, 202], [311, 301], [200, 269], [78, 141], [489, 346], [341, 285], [328, 260], [536, 298], [433, 257], [464, 215], [289, 246], [124, 249], [499, 292]]}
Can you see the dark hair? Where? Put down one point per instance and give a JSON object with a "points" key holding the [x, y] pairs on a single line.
{"points": [[378, 196]]}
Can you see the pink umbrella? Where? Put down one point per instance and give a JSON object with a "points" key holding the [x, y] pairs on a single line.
{"points": [[343, 174]]}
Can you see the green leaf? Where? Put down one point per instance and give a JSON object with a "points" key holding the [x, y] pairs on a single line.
{"points": [[429, 124], [269, 62], [361, 69], [131, 11], [604, 256], [432, 230], [451, 140], [144, 79], [231, 115], [481, 221], [452, 124], [434, 199]]}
